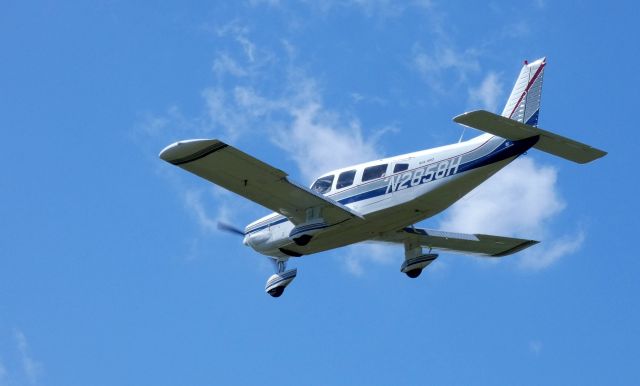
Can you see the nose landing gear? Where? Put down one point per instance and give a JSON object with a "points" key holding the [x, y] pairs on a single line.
{"points": [[277, 282]]}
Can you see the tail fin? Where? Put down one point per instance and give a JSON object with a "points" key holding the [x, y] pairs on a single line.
{"points": [[519, 119], [524, 102]]}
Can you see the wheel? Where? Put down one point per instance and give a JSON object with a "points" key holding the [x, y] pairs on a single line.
{"points": [[414, 273], [276, 292]]}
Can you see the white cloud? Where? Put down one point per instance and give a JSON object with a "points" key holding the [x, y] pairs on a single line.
{"points": [[548, 253], [252, 58], [316, 138], [444, 60], [318, 142], [358, 256], [211, 208], [520, 201], [487, 94], [32, 368], [223, 64], [193, 202], [222, 112]]}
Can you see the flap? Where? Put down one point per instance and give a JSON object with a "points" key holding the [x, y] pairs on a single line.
{"points": [[474, 244]]}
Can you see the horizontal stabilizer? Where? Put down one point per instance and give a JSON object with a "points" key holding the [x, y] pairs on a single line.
{"points": [[549, 142]]}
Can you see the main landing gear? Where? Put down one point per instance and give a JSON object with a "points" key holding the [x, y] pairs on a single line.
{"points": [[279, 281], [415, 260]]}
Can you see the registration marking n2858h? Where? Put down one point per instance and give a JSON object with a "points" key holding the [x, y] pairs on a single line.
{"points": [[423, 175]]}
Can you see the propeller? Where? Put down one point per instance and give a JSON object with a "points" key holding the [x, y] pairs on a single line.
{"points": [[223, 226]]}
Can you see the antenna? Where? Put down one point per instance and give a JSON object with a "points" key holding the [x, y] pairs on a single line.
{"points": [[464, 128]]}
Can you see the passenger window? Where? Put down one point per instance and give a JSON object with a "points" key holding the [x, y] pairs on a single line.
{"points": [[400, 167], [323, 184], [373, 172], [345, 179]]}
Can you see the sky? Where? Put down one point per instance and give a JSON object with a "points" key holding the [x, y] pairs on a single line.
{"points": [[112, 270]]}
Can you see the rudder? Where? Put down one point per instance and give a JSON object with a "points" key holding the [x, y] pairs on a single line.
{"points": [[523, 104]]}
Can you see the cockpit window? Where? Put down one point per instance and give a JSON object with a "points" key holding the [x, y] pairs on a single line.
{"points": [[323, 184], [345, 179], [373, 172], [400, 167]]}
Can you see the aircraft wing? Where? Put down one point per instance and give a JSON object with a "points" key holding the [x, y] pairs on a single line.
{"points": [[473, 244], [251, 178]]}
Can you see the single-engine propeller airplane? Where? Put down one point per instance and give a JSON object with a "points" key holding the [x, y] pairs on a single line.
{"points": [[382, 200]]}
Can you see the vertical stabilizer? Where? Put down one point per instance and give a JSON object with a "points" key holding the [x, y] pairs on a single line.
{"points": [[524, 102]]}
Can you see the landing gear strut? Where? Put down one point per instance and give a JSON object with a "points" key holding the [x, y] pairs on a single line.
{"points": [[415, 260], [279, 281]]}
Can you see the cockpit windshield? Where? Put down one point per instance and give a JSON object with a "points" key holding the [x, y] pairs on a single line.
{"points": [[323, 184]]}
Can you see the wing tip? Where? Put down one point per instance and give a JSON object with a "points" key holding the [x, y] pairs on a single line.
{"points": [[182, 152], [524, 245]]}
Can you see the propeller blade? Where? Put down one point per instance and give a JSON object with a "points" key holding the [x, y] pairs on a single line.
{"points": [[229, 228]]}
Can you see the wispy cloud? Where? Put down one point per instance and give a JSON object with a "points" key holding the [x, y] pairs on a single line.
{"points": [[549, 252], [438, 66], [486, 95], [193, 202], [32, 368], [358, 256], [381, 9], [223, 64], [239, 33], [251, 59], [318, 139]]}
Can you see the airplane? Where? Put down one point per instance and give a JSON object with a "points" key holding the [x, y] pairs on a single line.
{"points": [[382, 200]]}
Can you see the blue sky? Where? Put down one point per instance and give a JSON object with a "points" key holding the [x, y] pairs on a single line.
{"points": [[112, 271]]}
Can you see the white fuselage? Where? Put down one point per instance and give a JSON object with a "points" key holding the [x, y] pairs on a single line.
{"points": [[423, 184]]}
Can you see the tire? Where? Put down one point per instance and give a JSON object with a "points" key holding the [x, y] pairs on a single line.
{"points": [[276, 292], [414, 273]]}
